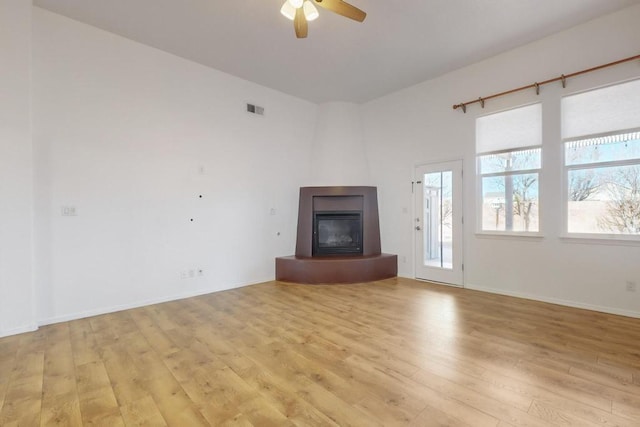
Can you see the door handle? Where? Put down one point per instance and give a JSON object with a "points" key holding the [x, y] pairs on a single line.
{"points": [[418, 228]]}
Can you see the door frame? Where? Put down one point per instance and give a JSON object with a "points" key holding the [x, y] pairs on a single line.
{"points": [[414, 188]]}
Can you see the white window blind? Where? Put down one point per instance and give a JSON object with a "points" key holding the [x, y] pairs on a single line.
{"points": [[517, 128], [601, 110]]}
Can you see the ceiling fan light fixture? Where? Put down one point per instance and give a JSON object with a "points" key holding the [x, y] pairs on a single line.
{"points": [[303, 11], [288, 11], [310, 11]]}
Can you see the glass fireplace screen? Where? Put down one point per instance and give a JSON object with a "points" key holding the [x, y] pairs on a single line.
{"points": [[337, 233]]}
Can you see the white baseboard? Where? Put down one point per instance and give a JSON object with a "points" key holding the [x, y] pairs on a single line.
{"points": [[137, 304], [574, 304], [175, 297], [21, 330]]}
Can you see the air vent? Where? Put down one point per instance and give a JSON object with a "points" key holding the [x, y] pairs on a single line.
{"points": [[255, 109]]}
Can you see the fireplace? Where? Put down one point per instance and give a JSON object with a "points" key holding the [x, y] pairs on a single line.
{"points": [[337, 233], [338, 239]]}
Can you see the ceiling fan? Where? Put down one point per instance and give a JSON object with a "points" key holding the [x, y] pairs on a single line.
{"points": [[302, 11]]}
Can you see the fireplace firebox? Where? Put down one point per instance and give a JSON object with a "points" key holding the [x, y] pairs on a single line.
{"points": [[337, 233]]}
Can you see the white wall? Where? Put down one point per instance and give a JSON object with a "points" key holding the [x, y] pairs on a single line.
{"points": [[16, 169], [338, 152], [131, 136], [418, 125]]}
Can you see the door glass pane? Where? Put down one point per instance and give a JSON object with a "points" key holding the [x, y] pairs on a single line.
{"points": [[438, 220]]}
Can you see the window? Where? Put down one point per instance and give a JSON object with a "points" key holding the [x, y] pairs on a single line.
{"points": [[601, 137], [509, 155]]}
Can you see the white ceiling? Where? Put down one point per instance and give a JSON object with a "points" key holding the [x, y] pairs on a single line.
{"points": [[400, 43]]}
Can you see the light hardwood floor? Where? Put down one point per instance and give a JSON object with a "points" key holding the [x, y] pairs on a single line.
{"points": [[394, 352]]}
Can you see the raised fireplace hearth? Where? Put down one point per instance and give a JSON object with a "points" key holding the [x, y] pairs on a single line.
{"points": [[338, 238]]}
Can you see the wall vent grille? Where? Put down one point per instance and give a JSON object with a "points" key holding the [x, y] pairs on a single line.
{"points": [[255, 109]]}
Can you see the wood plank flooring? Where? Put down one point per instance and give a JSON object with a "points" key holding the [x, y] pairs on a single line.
{"points": [[394, 352]]}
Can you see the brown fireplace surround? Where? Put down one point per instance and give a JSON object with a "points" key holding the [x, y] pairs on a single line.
{"points": [[305, 267]]}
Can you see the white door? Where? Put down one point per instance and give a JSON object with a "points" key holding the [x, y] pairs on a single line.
{"points": [[438, 222]]}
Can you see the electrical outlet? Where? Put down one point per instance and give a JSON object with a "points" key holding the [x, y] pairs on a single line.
{"points": [[631, 286], [191, 273], [68, 211]]}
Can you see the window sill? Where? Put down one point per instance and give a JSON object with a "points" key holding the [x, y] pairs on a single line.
{"points": [[601, 239], [509, 235]]}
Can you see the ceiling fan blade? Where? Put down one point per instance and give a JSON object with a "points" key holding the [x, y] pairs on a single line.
{"points": [[342, 8], [300, 24]]}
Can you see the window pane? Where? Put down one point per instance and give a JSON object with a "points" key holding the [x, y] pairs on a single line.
{"points": [[510, 203], [603, 149], [511, 161], [604, 200]]}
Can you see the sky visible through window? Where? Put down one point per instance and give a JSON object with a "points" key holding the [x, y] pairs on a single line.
{"points": [[513, 161], [604, 149]]}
